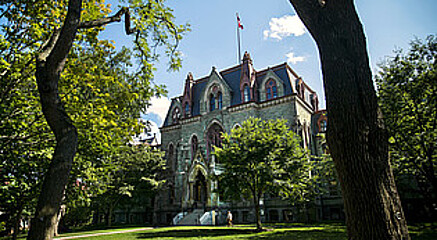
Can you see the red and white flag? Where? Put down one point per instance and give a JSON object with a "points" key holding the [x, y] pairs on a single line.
{"points": [[239, 22]]}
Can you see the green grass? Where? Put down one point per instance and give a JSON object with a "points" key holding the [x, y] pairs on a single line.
{"points": [[237, 232], [318, 231], [330, 231]]}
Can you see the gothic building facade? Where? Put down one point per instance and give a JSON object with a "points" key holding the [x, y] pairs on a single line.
{"points": [[217, 103]]}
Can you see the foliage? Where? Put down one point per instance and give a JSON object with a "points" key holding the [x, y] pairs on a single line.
{"points": [[258, 157], [131, 178], [407, 88], [103, 91]]}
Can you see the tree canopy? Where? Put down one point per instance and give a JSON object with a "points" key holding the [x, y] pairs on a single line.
{"points": [[407, 91], [259, 157], [57, 76]]}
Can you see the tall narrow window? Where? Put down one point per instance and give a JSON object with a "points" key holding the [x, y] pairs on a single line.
{"points": [[271, 90], [176, 115], [323, 125], [246, 93], [194, 146], [213, 138], [170, 157], [211, 103], [220, 100], [187, 109]]}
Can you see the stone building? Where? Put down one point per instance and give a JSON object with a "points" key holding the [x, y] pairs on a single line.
{"points": [[217, 103]]}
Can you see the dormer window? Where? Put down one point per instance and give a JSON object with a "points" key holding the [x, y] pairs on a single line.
{"points": [[246, 93], [176, 115], [220, 100], [271, 89], [211, 102]]}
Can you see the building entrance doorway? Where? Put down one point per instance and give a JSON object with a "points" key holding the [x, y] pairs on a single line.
{"points": [[199, 190]]}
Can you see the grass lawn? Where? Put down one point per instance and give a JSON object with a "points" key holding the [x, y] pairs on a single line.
{"points": [[275, 232]]}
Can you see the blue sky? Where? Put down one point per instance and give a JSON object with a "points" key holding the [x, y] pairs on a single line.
{"points": [[273, 34]]}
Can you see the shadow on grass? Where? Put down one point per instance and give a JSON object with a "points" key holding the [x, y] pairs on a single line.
{"points": [[246, 234], [182, 233]]}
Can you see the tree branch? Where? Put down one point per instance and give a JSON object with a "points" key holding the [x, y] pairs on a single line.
{"points": [[64, 41], [103, 21]]}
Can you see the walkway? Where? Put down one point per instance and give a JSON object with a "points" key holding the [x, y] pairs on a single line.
{"points": [[103, 233]]}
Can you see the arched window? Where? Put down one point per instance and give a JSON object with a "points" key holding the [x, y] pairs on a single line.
{"points": [[323, 125], [271, 90], [176, 115], [246, 93], [211, 103], [187, 109], [214, 138], [220, 100], [194, 146]]}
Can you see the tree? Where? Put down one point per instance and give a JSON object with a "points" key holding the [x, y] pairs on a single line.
{"points": [[311, 179], [357, 138], [47, 31], [257, 157], [407, 91], [135, 170]]}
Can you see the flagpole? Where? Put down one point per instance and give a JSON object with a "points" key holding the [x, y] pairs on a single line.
{"points": [[238, 39], [239, 48]]}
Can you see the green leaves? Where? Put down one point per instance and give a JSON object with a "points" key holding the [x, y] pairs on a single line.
{"points": [[101, 90], [260, 156], [407, 89]]}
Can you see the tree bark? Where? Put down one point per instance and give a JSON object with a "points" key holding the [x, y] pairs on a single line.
{"points": [[17, 221], [49, 66], [356, 135], [256, 199], [50, 63]]}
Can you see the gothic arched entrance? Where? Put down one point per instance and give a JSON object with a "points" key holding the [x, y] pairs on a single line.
{"points": [[200, 190]]}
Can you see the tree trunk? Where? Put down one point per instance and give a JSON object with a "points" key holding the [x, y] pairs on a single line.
{"points": [[50, 64], [356, 135], [17, 222], [109, 217], [259, 226]]}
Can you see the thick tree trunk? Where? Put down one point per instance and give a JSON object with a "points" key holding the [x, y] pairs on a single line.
{"points": [[356, 135], [50, 64]]}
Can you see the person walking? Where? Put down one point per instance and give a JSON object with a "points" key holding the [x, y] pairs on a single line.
{"points": [[229, 219]]}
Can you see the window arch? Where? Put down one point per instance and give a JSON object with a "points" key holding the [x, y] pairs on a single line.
{"points": [[211, 102], [220, 100], [214, 138], [271, 89], [194, 146], [176, 115], [246, 93]]}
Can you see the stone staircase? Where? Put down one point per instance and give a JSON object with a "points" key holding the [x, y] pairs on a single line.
{"points": [[192, 218]]}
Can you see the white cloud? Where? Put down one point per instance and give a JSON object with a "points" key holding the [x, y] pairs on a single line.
{"points": [[284, 26], [294, 59], [159, 106]]}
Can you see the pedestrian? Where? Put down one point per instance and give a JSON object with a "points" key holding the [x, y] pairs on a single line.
{"points": [[229, 219]]}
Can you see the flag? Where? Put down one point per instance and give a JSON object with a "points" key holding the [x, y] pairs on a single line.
{"points": [[239, 22]]}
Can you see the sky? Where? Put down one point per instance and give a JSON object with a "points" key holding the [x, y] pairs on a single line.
{"points": [[273, 34]]}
